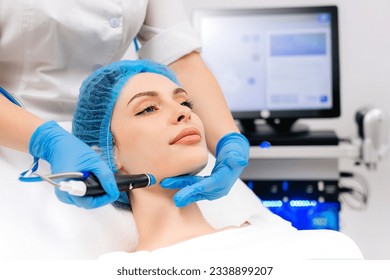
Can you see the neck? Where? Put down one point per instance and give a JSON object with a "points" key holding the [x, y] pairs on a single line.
{"points": [[160, 223]]}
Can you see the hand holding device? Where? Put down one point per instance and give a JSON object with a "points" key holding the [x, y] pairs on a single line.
{"points": [[66, 153]]}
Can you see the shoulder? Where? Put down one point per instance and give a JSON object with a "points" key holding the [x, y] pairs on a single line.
{"points": [[327, 244]]}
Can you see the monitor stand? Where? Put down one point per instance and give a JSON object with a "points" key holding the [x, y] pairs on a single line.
{"points": [[285, 132]]}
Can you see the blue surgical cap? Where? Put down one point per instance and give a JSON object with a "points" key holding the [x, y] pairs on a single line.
{"points": [[98, 94]]}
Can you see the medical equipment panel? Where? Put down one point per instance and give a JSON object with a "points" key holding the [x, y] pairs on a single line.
{"points": [[298, 183], [307, 204]]}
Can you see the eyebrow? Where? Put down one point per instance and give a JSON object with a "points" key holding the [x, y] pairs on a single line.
{"points": [[154, 93]]}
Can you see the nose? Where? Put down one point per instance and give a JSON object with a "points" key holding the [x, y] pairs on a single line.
{"points": [[183, 114]]}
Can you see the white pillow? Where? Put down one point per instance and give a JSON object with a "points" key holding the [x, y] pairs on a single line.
{"points": [[235, 208]]}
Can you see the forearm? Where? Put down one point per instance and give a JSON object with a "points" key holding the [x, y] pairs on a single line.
{"points": [[16, 125], [208, 98]]}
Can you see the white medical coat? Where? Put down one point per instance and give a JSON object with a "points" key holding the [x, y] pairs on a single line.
{"points": [[47, 47]]}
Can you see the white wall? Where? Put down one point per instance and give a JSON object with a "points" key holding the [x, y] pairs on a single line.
{"points": [[365, 80]]}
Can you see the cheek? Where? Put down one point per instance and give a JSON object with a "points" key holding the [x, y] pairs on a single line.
{"points": [[151, 155], [141, 152], [190, 159]]}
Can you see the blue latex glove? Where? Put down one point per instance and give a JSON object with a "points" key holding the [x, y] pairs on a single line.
{"points": [[232, 155], [66, 153]]}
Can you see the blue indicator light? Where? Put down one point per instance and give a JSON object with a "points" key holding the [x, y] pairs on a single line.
{"points": [[272, 203], [303, 203], [285, 186], [265, 145]]}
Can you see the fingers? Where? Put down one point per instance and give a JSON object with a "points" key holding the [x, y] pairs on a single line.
{"points": [[63, 196], [107, 180], [205, 188], [180, 181], [236, 161], [83, 202], [187, 195], [86, 202], [96, 202], [195, 188]]}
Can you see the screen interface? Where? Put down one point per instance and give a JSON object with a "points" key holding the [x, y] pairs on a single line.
{"points": [[271, 61]]}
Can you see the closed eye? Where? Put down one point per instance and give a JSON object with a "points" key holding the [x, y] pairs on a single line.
{"points": [[147, 110], [188, 104]]}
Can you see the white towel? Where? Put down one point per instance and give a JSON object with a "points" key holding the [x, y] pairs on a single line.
{"points": [[255, 242]]}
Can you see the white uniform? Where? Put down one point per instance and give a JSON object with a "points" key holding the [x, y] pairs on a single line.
{"points": [[47, 47]]}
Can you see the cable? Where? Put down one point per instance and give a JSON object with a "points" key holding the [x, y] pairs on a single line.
{"points": [[356, 197]]}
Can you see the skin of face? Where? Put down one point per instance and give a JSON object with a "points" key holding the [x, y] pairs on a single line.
{"points": [[155, 130]]}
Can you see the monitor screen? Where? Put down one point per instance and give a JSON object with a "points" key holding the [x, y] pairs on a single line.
{"points": [[274, 64]]}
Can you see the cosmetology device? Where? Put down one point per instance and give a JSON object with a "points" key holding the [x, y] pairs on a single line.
{"points": [[304, 184], [87, 184]]}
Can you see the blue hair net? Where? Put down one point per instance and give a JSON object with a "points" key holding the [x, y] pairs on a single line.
{"points": [[98, 94]]}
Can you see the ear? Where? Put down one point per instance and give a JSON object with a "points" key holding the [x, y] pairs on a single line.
{"points": [[118, 164]]}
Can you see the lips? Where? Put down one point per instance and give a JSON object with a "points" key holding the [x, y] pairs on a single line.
{"points": [[187, 136]]}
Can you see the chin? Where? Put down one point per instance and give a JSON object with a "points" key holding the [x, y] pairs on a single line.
{"points": [[197, 170], [185, 167], [194, 169]]}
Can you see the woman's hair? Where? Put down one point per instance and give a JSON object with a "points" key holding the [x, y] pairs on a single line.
{"points": [[98, 94]]}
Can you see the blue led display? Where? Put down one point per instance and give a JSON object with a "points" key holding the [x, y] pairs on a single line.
{"points": [[307, 214]]}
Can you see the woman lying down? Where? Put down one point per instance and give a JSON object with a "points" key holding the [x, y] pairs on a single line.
{"points": [[140, 120]]}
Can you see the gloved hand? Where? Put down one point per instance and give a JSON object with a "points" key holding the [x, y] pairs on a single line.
{"points": [[66, 153], [232, 155]]}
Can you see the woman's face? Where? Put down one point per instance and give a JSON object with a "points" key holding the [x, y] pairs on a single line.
{"points": [[155, 129]]}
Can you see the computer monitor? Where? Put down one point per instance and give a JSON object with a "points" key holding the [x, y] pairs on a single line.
{"points": [[274, 64]]}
